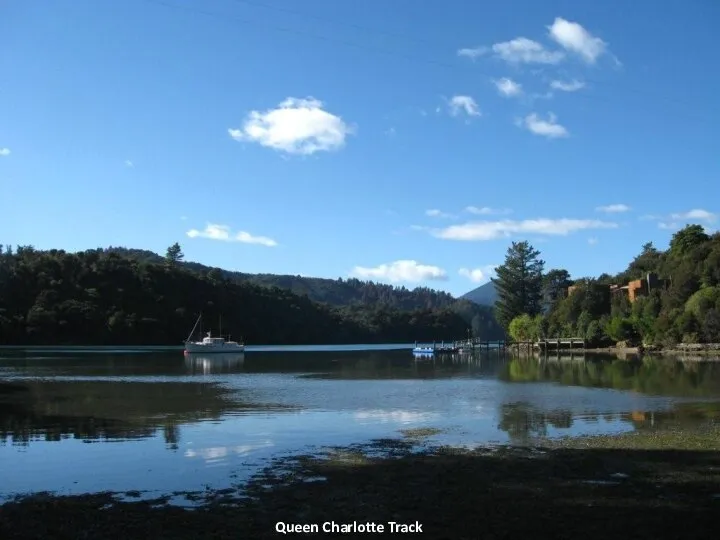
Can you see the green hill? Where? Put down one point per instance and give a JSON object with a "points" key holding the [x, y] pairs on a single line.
{"points": [[122, 296]]}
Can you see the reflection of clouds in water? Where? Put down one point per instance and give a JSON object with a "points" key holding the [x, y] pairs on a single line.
{"points": [[402, 417], [217, 453]]}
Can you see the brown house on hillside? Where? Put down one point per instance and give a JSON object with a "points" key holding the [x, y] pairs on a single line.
{"points": [[634, 289], [640, 287]]}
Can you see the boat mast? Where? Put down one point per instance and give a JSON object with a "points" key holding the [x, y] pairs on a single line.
{"points": [[194, 327], [220, 327]]}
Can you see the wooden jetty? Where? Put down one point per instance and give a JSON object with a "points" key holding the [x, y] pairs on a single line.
{"points": [[545, 344]]}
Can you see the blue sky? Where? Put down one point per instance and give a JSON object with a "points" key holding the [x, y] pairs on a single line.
{"points": [[398, 140]]}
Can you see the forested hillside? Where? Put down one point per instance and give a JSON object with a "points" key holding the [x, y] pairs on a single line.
{"points": [[336, 292], [102, 297], [683, 305]]}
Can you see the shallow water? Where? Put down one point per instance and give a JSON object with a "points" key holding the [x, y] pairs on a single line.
{"points": [[77, 421]]}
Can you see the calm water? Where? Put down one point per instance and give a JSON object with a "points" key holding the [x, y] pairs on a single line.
{"points": [[89, 419]]}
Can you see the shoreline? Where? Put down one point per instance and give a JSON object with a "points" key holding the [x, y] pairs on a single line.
{"points": [[688, 351], [640, 485]]}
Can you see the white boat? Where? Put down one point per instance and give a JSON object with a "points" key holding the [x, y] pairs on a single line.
{"points": [[211, 344]]}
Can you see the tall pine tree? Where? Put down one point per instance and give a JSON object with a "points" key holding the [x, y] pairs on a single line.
{"points": [[519, 283]]}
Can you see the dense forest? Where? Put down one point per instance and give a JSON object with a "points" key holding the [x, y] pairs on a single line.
{"points": [[682, 305], [116, 297], [335, 292]]}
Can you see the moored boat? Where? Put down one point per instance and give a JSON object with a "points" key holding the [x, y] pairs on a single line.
{"points": [[210, 344]]}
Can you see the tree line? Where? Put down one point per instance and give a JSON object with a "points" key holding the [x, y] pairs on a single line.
{"points": [[683, 307], [335, 292], [103, 297]]}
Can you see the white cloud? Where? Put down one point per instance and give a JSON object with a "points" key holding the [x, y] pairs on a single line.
{"points": [[487, 211], [434, 212], [697, 214], [667, 225], [129, 163], [478, 275], [574, 38], [491, 230], [183, 218], [296, 126], [546, 128], [473, 52], [403, 270], [613, 208], [569, 86], [4, 151], [463, 104], [507, 87], [223, 232], [592, 241], [523, 50]]}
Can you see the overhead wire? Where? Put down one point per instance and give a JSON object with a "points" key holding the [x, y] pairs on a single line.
{"points": [[375, 49]]}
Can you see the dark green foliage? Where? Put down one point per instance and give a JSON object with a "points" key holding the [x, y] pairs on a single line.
{"points": [[107, 297], [687, 239], [683, 306], [174, 255], [555, 284], [335, 292], [519, 283]]}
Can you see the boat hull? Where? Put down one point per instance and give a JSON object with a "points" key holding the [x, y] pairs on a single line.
{"points": [[213, 349]]}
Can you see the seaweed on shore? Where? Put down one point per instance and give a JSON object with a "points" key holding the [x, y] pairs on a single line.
{"points": [[589, 488]]}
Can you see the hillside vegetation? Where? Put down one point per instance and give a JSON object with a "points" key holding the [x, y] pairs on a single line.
{"points": [[683, 307], [121, 296]]}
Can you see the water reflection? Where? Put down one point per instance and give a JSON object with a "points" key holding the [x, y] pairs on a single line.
{"points": [[650, 375], [173, 429], [105, 410], [526, 423], [214, 363]]}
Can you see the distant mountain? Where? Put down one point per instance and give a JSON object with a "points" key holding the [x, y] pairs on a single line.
{"points": [[485, 295]]}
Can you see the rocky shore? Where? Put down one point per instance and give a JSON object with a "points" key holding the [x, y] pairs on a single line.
{"points": [[646, 485]]}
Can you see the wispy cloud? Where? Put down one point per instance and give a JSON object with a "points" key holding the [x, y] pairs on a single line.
{"points": [[526, 51], [459, 105], [478, 275], [592, 241], [401, 271], [546, 128], [697, 213], [295, 126], [567, 86], [129, 163], [507, 87], [576, 39], [491, 230], [4, 152], [571, 36], [613, 208], [487, 211], [474, 52], [222, 232], [677, 219], [434, 212]]}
